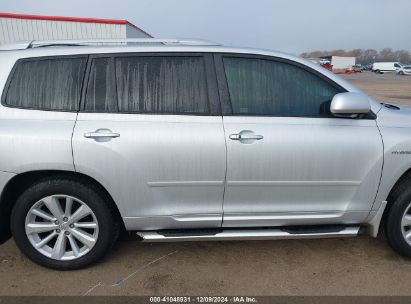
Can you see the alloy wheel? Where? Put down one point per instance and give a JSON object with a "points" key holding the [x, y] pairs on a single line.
{"points": [[406, 224], [61, 227]]}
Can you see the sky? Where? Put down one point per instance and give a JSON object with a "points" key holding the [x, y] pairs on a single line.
{"points": [[292, 26]]}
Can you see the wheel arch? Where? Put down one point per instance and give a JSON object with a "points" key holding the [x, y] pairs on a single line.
{"points": [[19, 183], [403, 178], [379, 218]]}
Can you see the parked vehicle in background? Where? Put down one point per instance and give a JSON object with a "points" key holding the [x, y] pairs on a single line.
{"points": [[405, 70], [325, 61], [357, 68], [180, 140], [327, 66], [386, 67], [366, 67]]}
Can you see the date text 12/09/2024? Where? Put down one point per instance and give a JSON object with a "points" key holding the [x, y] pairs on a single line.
{"points": [[205, 299]]}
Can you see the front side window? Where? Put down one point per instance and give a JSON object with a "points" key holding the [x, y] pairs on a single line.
{"points": [[169, 85], [47, 84], [272, 88]]}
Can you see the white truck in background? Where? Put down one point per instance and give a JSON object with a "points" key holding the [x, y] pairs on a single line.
{"points": [[386, 67]]}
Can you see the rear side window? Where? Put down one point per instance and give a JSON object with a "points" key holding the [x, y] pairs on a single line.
{"points": [[47, 84], [266, 87], [169, 85]]}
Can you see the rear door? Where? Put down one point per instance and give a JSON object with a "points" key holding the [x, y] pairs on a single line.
{"points": [[38, 113], [151, 132], [289, 161]]}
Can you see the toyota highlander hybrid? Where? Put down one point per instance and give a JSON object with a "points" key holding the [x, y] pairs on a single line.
{"points": [[186, 140]]}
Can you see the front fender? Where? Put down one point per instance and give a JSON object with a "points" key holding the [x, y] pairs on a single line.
{"points": [[397, 160]]}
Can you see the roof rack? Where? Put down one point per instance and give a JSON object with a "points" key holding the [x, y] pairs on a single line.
{"points": [[22, 45]]}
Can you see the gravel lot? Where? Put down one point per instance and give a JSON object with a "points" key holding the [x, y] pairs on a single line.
{"points": [[357, 266], [387, 87]]}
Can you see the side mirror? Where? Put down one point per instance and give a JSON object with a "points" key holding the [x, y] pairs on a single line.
{"points": [[350, 103]]}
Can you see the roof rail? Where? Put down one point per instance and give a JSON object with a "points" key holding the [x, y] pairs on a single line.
{"points": [[22, 45]]}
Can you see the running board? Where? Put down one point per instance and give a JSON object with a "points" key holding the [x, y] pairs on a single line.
{"points": [[248, 234]]}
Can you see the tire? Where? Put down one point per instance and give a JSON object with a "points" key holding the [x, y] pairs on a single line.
{"points": [[400, 204], [60, 190], [401, 73]]}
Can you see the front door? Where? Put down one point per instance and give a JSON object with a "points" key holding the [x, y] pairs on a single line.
{"points": [[151, 133], [289, 161]]}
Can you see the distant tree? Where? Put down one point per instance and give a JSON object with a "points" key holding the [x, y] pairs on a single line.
{"points": [[314, 54], [368, 56], [386, 55], [355, 53], [338, 53], [402, 56]]}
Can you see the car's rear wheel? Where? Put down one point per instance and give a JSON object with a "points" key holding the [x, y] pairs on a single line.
{"points": [[63, 224], [398, 221]]}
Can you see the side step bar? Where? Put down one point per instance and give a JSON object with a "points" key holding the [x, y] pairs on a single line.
{"points": [[248, 234]]}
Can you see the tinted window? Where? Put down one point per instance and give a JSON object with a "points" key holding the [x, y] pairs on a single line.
{"points": [[48, 84], [265, 87], [162, 85], [101, 88], [397, 65]]}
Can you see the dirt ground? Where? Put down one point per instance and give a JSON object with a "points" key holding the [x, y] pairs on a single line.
{"points": [[354, 266], [387, 87]]}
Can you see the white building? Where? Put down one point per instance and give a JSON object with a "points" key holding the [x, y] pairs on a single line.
{"points": [[16, 27]]}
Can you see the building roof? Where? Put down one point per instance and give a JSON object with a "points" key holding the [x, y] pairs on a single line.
{"points": [[60, 18], [69, 19]]}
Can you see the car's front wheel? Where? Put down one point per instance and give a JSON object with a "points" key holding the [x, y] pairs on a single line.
{"points": [[63, 224], [398, 221]]}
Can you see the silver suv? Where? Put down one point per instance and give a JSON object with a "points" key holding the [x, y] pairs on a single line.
{"points": [[187, 141]]}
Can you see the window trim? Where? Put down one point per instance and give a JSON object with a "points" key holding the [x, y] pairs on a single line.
{"points": [[214, 103], [224, 92], [29, 59], [82, 107]]}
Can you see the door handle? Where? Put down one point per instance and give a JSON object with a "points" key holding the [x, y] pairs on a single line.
{"points": [[246, 137], [101, 134]]}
